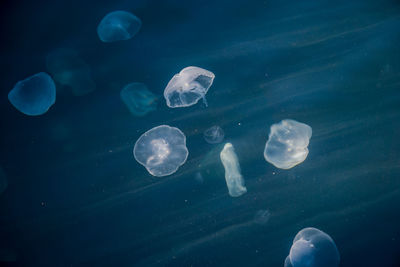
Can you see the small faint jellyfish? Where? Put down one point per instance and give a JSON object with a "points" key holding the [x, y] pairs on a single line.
{"points": [[262, 216], [313, 248], [287, 144], [188, 86], [214, 135], [34, 95], [233, 177], [161, 150], [117, 26], [138, 99]]}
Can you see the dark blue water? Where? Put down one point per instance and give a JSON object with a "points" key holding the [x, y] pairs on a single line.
{"points": [[77, 197]]}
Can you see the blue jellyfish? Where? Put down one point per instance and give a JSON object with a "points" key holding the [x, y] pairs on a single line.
{"points": [[34, 95], [161, 150], [214, 135], [68, 69], [313, 248], [287, 144], [118, 26], [138, 99]]}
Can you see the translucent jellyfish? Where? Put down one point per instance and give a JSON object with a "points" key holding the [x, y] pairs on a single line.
{"points": [[34, 95], [138, 99], [287, 144], [188, 86], [214, 135], [233, 178], [161, 150], [262, 216], [68, 69], [117, 26], [313, 248]]}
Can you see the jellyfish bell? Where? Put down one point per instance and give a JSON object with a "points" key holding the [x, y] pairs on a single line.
{"points": [[161, 150], [188, 86], [118, 26], [34, 95], [313, 248], [138, 99], [287, 144], [214, 135]]}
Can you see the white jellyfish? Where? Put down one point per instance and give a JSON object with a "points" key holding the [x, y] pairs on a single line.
{"points": [[161, 150], [214, 135], [138, 99], [313, 248], [287, 144], [34, 95], [233, 177], [117, 26], [188, 86]]}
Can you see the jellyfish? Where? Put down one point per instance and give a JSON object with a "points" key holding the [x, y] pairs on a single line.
{"points": [[287, 144], [233, 177], [68, 69], [188, 86], [214, 135], [118, 26], [313, 248], [161, 150], [262, 216], [34, 95], [138, 99]]}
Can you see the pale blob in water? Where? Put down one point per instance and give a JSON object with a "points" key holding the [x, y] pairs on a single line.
{"points": [[313, 248], [118, 26], [138, 99], [34, 95], [188, 86], [233, 177], [214, 135], [68, 69], [262, 216], [287, 144], [161, 150]]}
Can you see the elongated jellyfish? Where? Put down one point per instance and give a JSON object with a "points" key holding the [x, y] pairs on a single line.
{"points": [[233, 177]]}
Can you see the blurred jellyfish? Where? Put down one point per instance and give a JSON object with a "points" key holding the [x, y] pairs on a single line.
{"points": [[161, 150], [312, 248], [68, 69], [34, 95], [233, 178], [138, 99], [287, 144], [118, 26], [262, 216], [3, 181], [199, 178], [214, 135], [188, 86]]}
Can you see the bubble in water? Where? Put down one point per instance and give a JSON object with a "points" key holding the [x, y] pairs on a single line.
{"points": [[233, 177], [188, 86], [34, 95], [287, 144], [161, 150], [138, 99], [214, 135], [117, 26], [313, 248]]}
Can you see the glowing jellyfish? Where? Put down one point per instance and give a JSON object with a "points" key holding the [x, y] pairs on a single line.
{"points": [[287, 144], [214, 135], [138, 99], [34, 95], [188, 86], [68, 69], [313, 248], [233, 177], [161, 150], [117, 26]]}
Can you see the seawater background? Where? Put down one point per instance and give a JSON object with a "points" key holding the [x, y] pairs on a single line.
{"points": [[77, 197]]}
